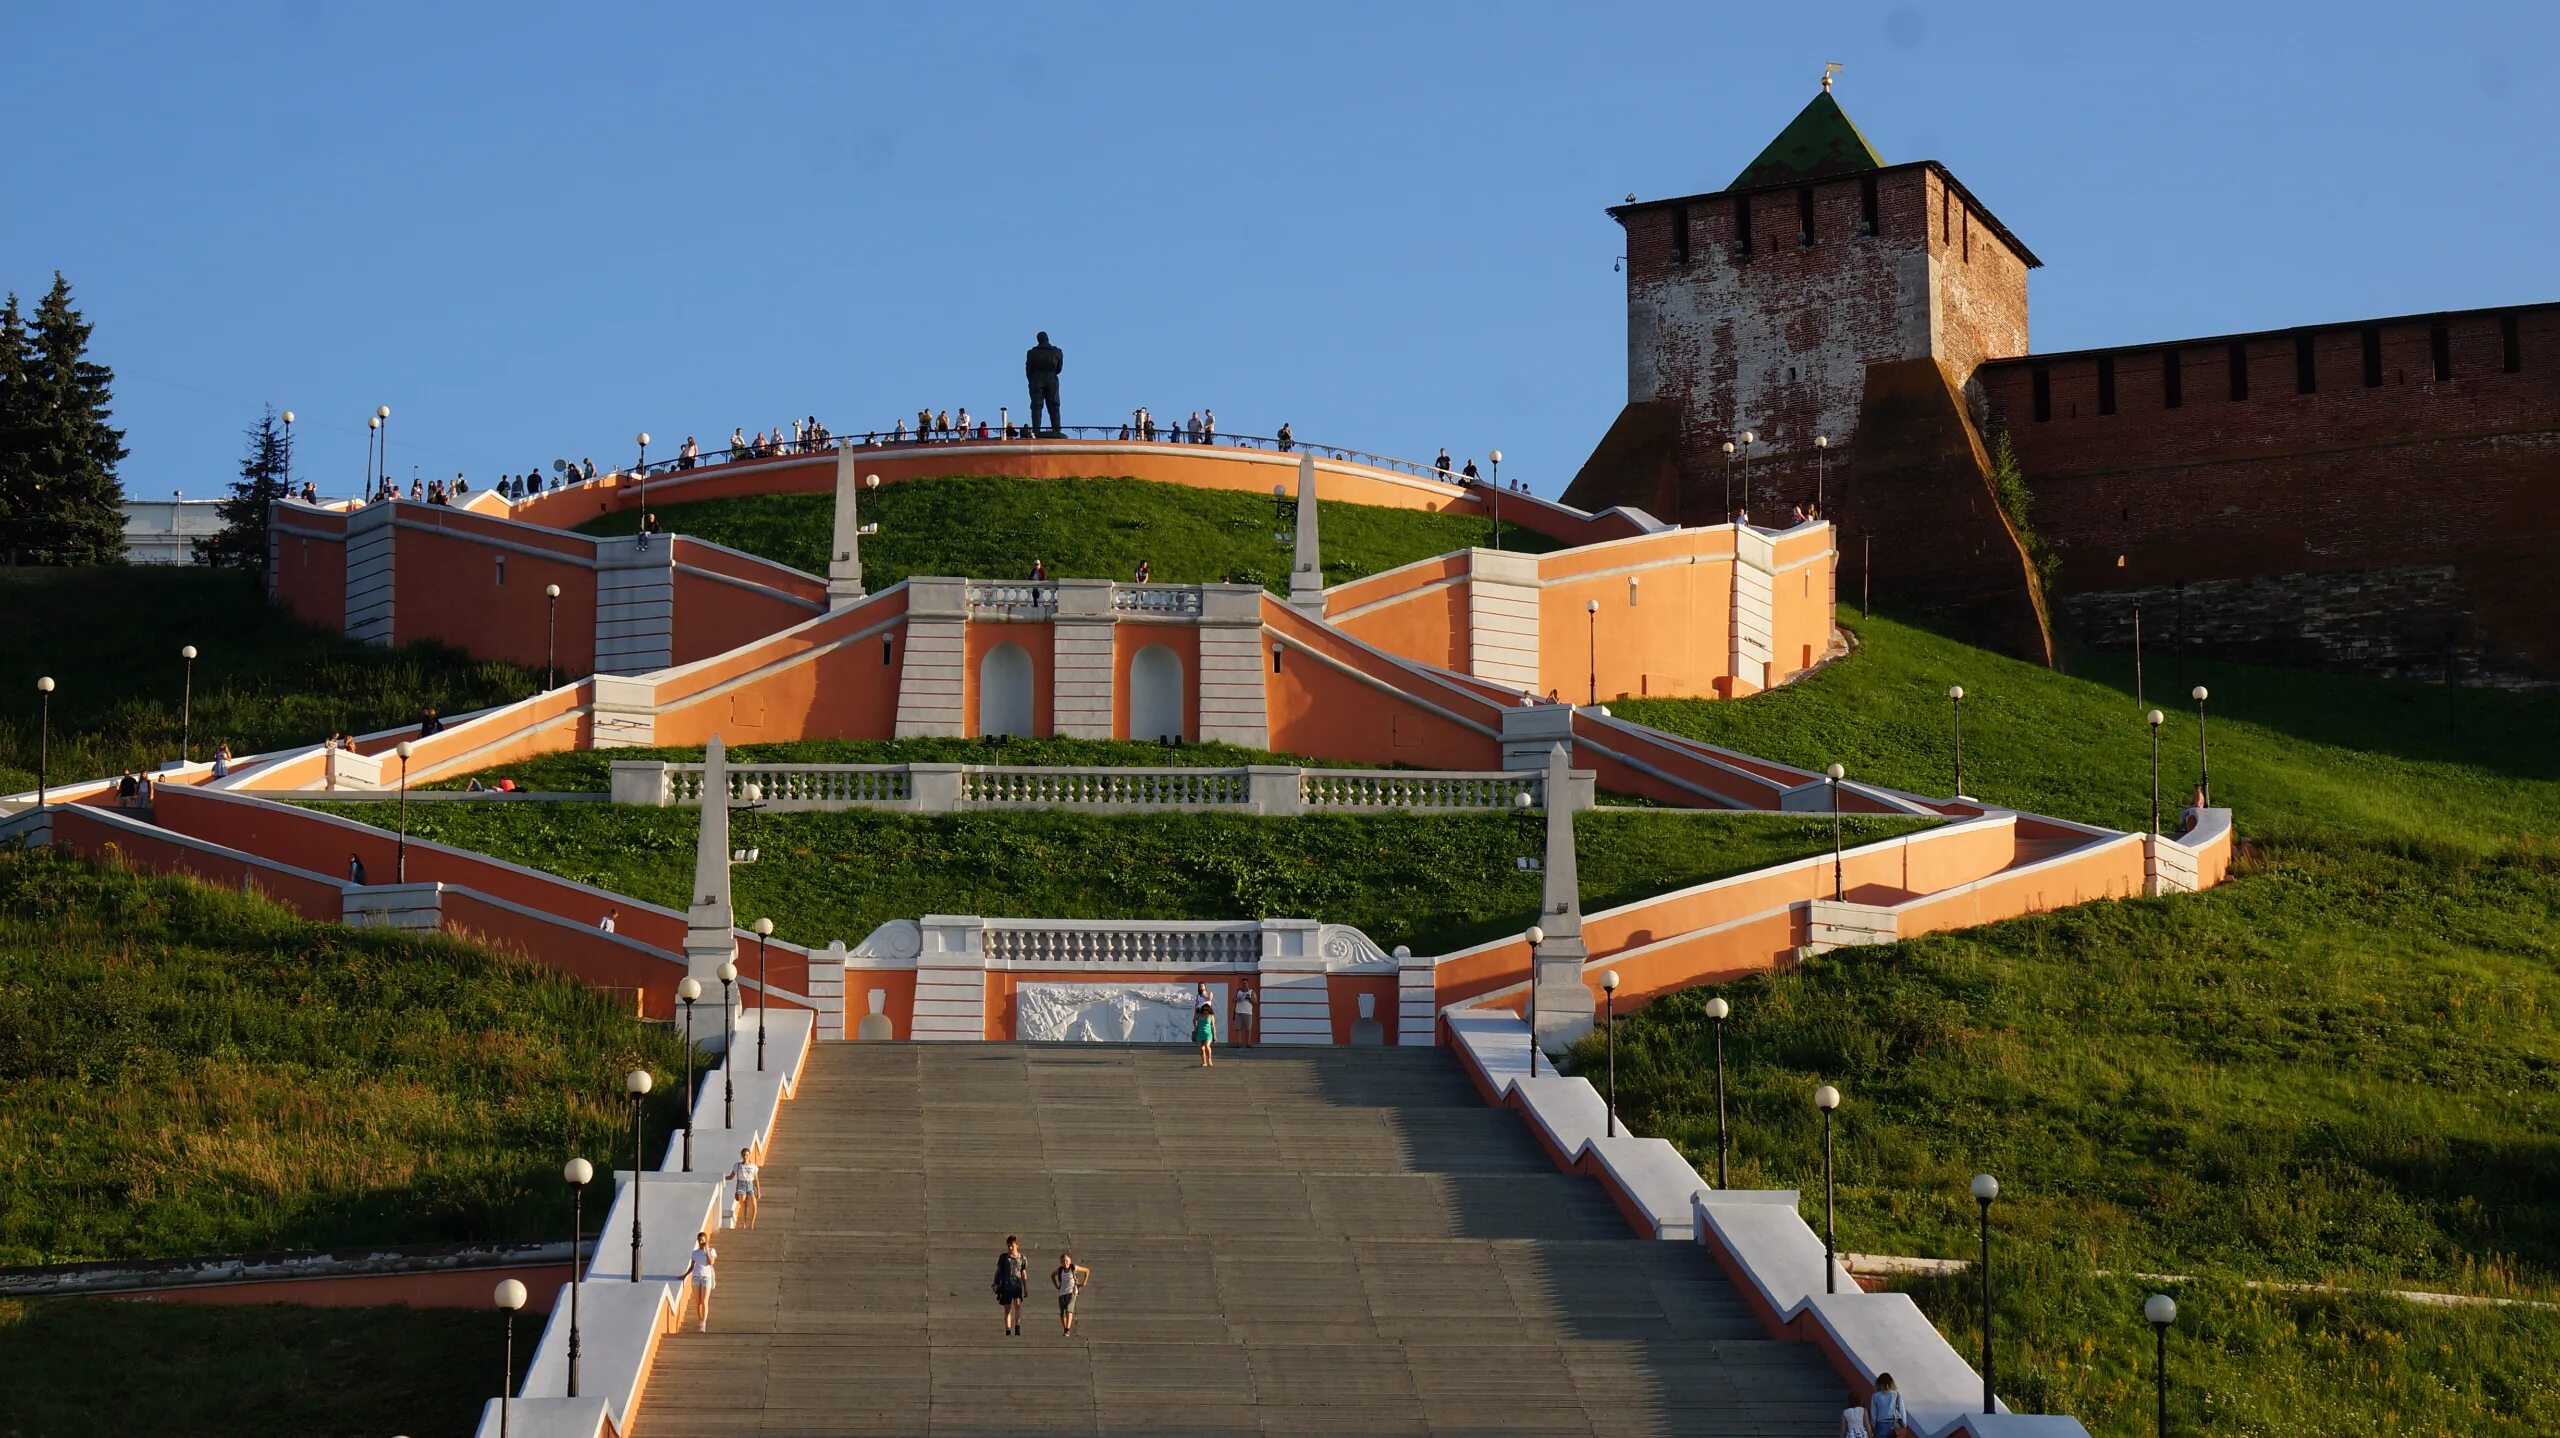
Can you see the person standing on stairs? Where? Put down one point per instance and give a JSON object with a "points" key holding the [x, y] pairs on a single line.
{"points": [[1204, 1024], [1071, 1278], [700, 1279], [744, 1203], [1013, 1281]]}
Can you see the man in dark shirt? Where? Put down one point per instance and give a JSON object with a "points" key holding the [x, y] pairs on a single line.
{"points": [[1041, 366]]}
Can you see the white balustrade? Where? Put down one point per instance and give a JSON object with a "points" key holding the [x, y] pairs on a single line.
{"points": [[943, 788], [1107, 944], [1014, 599], [1177, 599]]}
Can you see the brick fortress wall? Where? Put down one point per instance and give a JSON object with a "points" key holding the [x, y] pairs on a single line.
{"points": [[2381, 496]]}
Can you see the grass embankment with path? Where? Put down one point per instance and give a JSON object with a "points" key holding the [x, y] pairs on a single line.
{"points": [[192, 1071], [2343, 1065], [1434, 882], [993, 528], [92, 1367], [110, 637]]}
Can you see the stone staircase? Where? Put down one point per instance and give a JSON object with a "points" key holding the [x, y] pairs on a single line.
{"points": [[1299, 1241]]}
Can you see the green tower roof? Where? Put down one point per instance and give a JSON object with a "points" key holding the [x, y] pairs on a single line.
{"points": [[1819, 141]]}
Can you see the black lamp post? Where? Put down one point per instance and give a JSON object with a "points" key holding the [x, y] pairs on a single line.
{"points": [[2155, 719], [400, 854], [1719, 1010], [186, 702], [287, 417], [1591, 640], [382, 426], [579, 1173], [1821, 467], [764, 931], [44, 737], [728, 1048], [1748, 439], [551, 635], [373, 434], [1497, 500], [2160, 1310], [643, 471], [1955, 709], [1839, 867], [510, 1297], [1827, 1099], [2204, 759], [1728, 483], [1985, 1189], [1609, 997], [1535, 936], [637, 1083], [688, 990]]}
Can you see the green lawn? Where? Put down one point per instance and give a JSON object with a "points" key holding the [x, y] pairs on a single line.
{"points": [[1436, 883], [109, 637], [193, 1071], [87, 1367], [993, 528], [591, 770], [2344, 1064]]}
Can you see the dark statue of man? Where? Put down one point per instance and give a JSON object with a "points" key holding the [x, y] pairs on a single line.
{"points": [[1041, 366]]}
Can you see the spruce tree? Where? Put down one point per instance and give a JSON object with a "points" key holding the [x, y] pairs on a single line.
{"points": [[73, 512], [242, 544], [17, 428]]}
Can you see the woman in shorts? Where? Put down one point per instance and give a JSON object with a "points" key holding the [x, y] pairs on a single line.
{"points": [[1070, 1277], [699, 1277], [1013, 1281]]}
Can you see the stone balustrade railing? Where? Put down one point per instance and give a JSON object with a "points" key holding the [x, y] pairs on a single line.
{"points": [[1102, 945], [1032, 598], [947, 788], [1180, 599]]}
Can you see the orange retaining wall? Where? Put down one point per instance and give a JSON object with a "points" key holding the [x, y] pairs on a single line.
{"points": [[466, 1288], [311, 569], [1315, 708]]}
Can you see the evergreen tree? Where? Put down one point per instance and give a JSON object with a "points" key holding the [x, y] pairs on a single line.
{"points": [[242, 544], [71, 509], [17, 426]]}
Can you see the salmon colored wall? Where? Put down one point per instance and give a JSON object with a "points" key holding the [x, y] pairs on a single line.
{"points": [[578, 949], [1314, 708], [714, 617], [1800, 600], [468, 1288], [1403, 580], [901, 1008], [2110, 869], [1674, 641], [1127, 638], [753, 569], [844, 692], [1429, 626], [981, 639], [311, 572], [1342, 1000], [448, 590]]}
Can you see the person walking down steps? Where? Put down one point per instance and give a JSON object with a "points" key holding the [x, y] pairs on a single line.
{"points": [[1013, 1281], [1071, 1278], [700, 1280]]}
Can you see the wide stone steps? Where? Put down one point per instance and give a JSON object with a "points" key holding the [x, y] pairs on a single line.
{"points": [[1316, 1241]]}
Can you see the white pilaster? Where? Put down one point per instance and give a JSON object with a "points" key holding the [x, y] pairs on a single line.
{"points": [[1295, 1005], [1754, 610], [1233, 663], [1081, 660], [370, 572], [1503, 618], [933, 677], [635, 605], [1417, 999], [951, 979]]}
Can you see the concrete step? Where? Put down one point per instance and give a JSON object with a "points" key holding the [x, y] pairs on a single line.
{"points": [[1317, 1241]]}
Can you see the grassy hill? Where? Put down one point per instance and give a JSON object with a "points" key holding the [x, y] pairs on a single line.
{"points": [[102, 1369], [192, 1071], [110, 638], [1436, 883], [2342, 1065], [992, 528]]}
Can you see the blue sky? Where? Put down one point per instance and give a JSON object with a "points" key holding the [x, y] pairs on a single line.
{"points": [[535, 230]]}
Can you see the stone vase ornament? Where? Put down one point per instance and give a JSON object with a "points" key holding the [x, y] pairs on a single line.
{"points": [[876, 1027]]}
